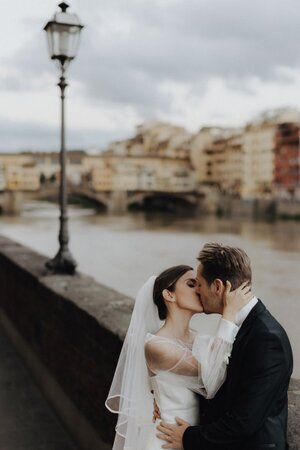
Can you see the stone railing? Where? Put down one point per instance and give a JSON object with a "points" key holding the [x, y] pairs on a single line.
{"points": [[69, 331]]}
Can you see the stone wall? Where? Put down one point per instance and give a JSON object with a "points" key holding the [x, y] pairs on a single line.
{"points": [[75, 327], [69, 331]]}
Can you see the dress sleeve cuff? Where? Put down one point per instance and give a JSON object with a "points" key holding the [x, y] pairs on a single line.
{"points": [[227, 330]]}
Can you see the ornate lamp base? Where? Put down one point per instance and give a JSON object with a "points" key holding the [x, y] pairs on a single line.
{"points": [[63, 262]]}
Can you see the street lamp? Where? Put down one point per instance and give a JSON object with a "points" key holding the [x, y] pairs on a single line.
{"points": [[63, 33]]}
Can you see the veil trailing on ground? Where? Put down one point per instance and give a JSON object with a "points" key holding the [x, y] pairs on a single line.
{"points": [[130, 393]]}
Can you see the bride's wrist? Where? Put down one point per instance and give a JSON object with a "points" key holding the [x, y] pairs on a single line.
{"points": [[229, 315]]}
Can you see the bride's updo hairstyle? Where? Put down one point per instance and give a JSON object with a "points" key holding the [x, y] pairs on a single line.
{"points": [[167, 280]]}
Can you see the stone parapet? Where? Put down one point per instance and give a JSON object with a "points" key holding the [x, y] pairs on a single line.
{"points": [[69, 331]]}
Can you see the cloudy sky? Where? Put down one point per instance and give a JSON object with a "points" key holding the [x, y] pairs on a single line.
{"points": [[189, 62]]}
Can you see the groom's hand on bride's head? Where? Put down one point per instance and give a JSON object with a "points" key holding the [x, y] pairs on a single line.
{"points": [[235, 300], [172, 434]]}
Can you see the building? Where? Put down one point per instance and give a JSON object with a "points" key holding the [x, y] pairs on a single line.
{"points": [[287, 160], [225, 165], [154, 139], [30, 178], [217, 155], [2, 177], [143, 173], [259, 142], [48, 165], [15, 159], [22, 178], [204, 149], [14, 178], [258, 165]]}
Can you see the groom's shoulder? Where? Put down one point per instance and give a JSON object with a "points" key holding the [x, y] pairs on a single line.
{"points": [[267, 323]]}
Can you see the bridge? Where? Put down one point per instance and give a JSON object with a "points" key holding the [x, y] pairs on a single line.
{"points": [[112, 202]]}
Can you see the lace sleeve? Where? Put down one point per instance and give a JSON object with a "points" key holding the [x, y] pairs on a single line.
{"points": [[213, 355], [169, 356], [204, 367]]}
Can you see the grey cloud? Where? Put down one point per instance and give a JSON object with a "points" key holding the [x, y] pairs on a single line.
{"points": [[196, 39], [188, 43], [178, 40], [129, 49]]}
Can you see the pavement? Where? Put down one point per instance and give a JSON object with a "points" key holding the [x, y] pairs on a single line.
{"points": [[27, 422]]}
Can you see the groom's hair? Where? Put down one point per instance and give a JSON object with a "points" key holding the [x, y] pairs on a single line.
{"points": [[226, 263]]}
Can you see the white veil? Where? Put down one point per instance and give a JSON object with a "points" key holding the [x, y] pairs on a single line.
{"points": [[130, 393]]}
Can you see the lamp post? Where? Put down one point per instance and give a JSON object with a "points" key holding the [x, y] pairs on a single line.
{"points": [[63, 33]]}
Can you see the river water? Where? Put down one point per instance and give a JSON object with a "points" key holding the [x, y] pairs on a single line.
{"points": [[123, 251]]}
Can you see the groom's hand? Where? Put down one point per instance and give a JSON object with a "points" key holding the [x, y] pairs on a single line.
{"points": [[172, 433], [156, 411]]}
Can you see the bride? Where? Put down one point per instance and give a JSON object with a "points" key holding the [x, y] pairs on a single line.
{"points": [[164, 361]]}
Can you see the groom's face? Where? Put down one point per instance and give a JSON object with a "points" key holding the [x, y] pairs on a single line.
{"points": [[210, 297]]}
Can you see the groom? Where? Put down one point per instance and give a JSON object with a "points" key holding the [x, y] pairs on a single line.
{"points": [[249, 412]]}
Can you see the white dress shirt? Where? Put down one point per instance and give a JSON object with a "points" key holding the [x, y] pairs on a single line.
{"points": [[228, 330], [245, 311]]}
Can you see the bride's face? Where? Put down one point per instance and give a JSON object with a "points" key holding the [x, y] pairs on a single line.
{"points": [[186, 293]]}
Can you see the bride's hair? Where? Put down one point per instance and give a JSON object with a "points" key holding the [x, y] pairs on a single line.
{"points": [[167, 280]]}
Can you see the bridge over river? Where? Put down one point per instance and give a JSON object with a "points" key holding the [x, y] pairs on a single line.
{"points": [[11, 202]]}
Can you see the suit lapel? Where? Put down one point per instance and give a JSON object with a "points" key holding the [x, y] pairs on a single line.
{"points": [[234, 365], [246, 326]]}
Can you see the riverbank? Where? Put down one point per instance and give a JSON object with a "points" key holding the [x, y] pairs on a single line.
{"points": [[268, 209]]}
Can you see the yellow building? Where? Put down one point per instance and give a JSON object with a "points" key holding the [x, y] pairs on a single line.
{"points": [[258, 165], [30, 178], [227, 164], [162, 139], [143, 173], [102, 176], [48, 165], [14, 178], [217, 155], [202, 148], [2, 177], [18, 159], [22, 178]]}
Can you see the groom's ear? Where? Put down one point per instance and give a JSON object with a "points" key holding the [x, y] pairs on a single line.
{"points": [[218, 286]]}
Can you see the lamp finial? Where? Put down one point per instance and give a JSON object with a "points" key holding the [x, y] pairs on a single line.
{"points": [[64, 6]]}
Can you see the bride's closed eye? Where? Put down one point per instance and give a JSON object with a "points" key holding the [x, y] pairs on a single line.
{"points": [[191, 283]]}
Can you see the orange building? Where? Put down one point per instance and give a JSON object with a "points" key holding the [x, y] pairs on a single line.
{"points": [[287, 159]]}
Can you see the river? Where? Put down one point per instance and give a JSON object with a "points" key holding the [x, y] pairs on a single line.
{"points": [[122, 251]]}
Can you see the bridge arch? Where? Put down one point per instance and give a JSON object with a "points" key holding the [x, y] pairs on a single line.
{"points": [[162, 201], [95, 200]]}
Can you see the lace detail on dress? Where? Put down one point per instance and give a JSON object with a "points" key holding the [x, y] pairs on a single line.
{"points": [[203, 363], [170, 355]]}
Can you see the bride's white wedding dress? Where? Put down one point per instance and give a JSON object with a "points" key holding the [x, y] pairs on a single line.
{"points": [[174, 399], [174, 390]]}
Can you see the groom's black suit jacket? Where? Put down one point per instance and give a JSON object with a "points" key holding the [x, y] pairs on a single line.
{"points": [[250, 410]]}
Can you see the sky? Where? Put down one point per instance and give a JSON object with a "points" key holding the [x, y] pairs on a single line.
{"points": [[188, 62]]}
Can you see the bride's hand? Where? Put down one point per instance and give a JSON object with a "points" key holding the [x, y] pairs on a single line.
{"points": [[235, 300]]}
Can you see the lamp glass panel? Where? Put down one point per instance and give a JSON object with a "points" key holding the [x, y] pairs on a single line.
{"points": [[64, 42], [74, 41], [50, 42], [67, 40]]}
